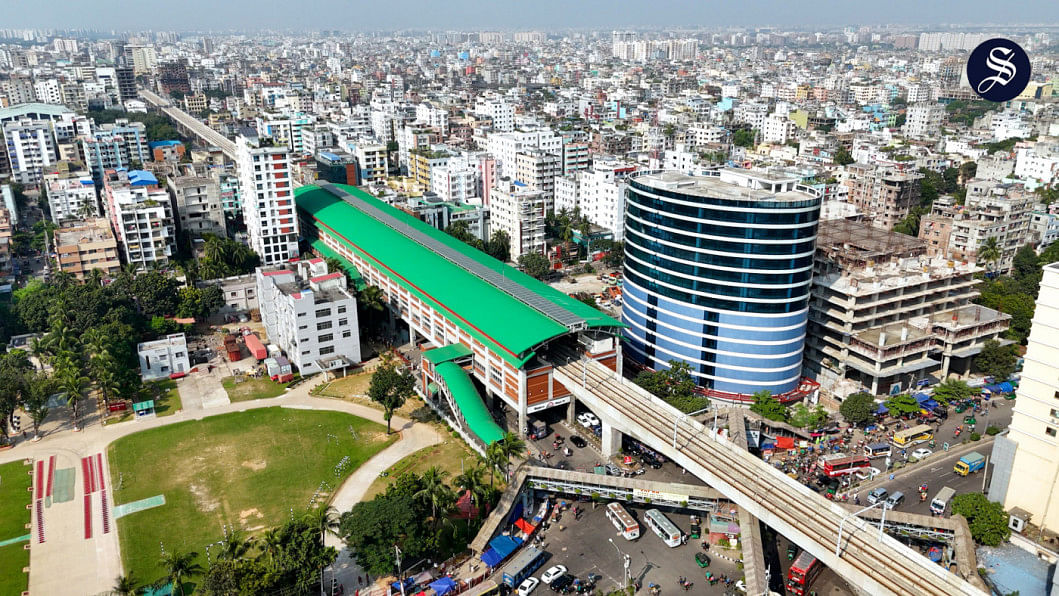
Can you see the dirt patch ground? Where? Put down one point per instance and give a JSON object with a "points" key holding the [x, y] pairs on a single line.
{"points": [[256, 465]]}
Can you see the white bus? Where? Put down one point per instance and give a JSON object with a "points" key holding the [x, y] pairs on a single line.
{"points": [[663, 527], [623, 522]]}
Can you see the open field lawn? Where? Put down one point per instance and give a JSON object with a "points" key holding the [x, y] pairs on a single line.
{"points": [[252, 388], [14, 496], [244, 469], [447, 455]]}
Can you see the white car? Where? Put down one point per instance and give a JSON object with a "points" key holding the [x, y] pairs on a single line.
{"points": [[587, 420], [527, 586], [552, 573], [921, 453]]}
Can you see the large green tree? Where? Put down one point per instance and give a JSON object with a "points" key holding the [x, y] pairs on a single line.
{"points": [[390, 389], [996, 360], [674, 385], [952, 390], [858, 408], [534, 264], [768, 406], [902, 404], [987, 519], [199, 303], [372, 528], [801, 416]]}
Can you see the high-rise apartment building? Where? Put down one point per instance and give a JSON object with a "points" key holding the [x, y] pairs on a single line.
{"points": [[924, 119], [30, 149], [885, 195], [115, 146], [266, 194], [1026, 461], [519, 211], [86, 246], [141, 215]]}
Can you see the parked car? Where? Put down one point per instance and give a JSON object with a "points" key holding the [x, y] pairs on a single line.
{"points": [[553, 572], [587, 419], [578, 441], [895, 499], [560, 583], [649, 459], [527, 586], [613, 470], [876, 495], [921, 453]]}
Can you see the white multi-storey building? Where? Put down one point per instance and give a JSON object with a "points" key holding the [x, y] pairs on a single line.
{"points": [[372, 161], [502, 113], [434, 117], [163, 357], [602, 195], [267, 198], [506, 146], [141, 215], [924, 119], [30, 148], [1026, 461], [310, 314], [456, 180], [519, 211], [538, 170], [289, 131], [1036, 161], [777, 129], [71, 195]]}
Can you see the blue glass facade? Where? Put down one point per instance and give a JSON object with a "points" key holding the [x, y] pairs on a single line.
{"points": [[718, 276]]}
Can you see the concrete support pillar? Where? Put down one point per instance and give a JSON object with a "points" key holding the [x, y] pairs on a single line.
{"points": [[875, 385], [571, 411], [611, 440], [618, 363], [946, 361], [523, 415]]}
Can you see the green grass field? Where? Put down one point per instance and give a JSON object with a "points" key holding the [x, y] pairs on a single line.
{"points": [[252, 389], [14, 496], [245, 469]]}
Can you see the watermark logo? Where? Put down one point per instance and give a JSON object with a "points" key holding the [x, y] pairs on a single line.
{"points": [[998, 69]]}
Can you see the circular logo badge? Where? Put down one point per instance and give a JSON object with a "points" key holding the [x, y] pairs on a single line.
{"points": [[998, 69]]}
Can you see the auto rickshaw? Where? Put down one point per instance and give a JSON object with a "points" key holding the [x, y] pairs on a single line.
{"points": [[970, 420], [702, 560], [791, 551]]}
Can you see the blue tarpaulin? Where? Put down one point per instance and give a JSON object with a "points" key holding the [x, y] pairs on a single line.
{"points": [[921, 397], [993, 388], [505, 545], [408, 583], [491, 558], [443, 586], [882, 409], [1006, 387], [516, 512]]}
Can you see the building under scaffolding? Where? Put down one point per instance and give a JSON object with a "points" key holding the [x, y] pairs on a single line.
{"points": [[883, 316]]}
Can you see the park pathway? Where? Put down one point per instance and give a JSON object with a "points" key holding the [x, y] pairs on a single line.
{"points": [[78, 556]]}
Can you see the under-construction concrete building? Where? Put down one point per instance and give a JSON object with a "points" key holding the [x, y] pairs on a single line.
{"points": [[883, 316]]}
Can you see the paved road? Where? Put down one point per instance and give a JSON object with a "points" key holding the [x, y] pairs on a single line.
{"points": [[67, 559]]}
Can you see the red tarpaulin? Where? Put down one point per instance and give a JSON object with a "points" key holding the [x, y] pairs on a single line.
{"points": [[784, 442], [525, 526]]}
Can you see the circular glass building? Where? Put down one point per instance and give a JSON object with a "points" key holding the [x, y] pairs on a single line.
{"points": [[717, 274]]}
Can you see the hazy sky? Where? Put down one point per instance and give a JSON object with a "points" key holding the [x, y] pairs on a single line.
{"points": [[524, 14]]}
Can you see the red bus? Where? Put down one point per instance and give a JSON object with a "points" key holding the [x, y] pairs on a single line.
{"points": [[803, 573], [839, 465]]}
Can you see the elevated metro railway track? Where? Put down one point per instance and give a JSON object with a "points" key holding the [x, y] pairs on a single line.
{"points": [[874, 565], [204, 133]]}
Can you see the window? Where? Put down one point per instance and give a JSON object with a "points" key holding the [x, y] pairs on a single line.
{"points": [[302, 327], [325, 337], [1055, 413], [323, 312], [327, 350], [323, 325], [343, 322], [341, 309], [305, 352], [346, 333], [301, 314], [496, 377], [1050, 431]]}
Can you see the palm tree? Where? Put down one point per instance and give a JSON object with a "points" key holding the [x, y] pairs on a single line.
{"points": [[180, 567], [472, 480], [990, 252], [436, 492], [494, 457], [126, 585], [234, 545], [324, 520], [75, 386], [271, 543], [38, 346], [511, 445], [107, 383]]}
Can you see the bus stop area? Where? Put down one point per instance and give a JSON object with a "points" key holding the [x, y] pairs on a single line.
{"points": [[591, 544]]}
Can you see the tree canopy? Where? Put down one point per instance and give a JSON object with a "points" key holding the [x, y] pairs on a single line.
{"points": [[674, 385], [996, 360], [858, 408], [534, 264], [902, 404], [390, 389], [952, 390], [769, 407], [987, 519]]}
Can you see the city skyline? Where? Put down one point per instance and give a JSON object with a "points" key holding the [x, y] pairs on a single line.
{"points": [[471, 14]]}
